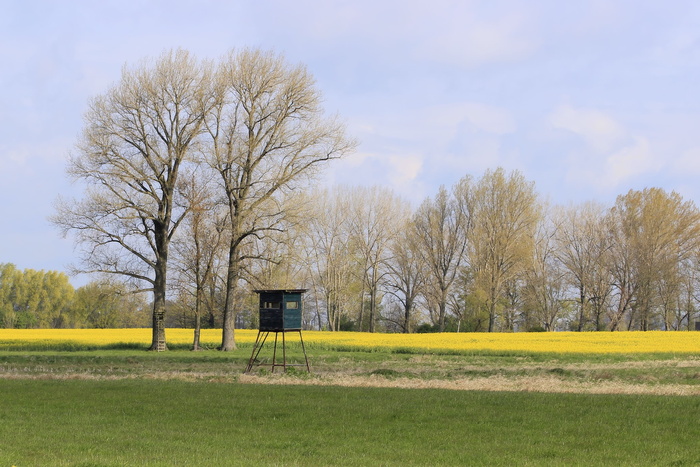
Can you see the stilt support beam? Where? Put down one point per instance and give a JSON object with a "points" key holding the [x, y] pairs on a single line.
{"points": [[260, 342]]}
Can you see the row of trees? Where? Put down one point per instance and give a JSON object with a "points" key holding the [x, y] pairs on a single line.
{"points": [[486, 255], [41, 299], [197, 178], [490, 255]]}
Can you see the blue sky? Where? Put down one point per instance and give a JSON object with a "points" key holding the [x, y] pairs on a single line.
{"points": [[588, 99]]}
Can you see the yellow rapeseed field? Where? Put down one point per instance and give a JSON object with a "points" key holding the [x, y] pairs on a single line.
{"points": [[559, 342]]}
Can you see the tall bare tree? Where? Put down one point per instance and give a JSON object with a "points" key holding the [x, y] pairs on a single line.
{"points": [[582, 248], [267, 135], [441, 235], [334, 270], [375, 215], [545, 288], [405, 272], [138, 136]]}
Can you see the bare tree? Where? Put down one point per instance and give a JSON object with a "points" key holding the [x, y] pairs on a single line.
{"points": [[405, 272], [267, 135], [334, 270], [197, 249], [582, 247], [545, 283], [374, 220], [441, 228], [687, 296], [136, 140]]}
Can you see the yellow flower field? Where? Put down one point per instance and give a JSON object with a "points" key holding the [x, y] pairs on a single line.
{"points": [[560, 342]]}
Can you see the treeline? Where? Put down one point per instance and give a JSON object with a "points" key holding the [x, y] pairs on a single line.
{"points": [[46, 299], [485, 255]]}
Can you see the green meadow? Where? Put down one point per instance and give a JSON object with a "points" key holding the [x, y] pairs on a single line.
{"points": [[131, 407]]}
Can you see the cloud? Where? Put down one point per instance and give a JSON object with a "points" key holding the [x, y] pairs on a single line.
{"points": [[468, 34], [454, 32], [441, 123], [598, 129], [397, 171], [404, 168], [427, 144], [629, 162], [610, 157]]}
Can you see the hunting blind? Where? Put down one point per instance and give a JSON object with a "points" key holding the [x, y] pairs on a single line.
{"points": [[280, 312]]}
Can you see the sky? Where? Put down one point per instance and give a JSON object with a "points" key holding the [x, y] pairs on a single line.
{"points": [[587, 99]]}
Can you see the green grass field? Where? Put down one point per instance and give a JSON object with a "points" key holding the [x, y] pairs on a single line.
{"points": [[147, 422], [131, 407]]}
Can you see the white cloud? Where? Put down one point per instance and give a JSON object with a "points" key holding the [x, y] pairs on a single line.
{"points": [[404, 168], [629, 162], [454, 32], [597, 128], [611, 156], [399, 172], [468, 37], [616, 170]]}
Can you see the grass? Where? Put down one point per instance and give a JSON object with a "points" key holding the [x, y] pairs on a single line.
{"points": [[64, 404], [660, 374], [146, 422]]}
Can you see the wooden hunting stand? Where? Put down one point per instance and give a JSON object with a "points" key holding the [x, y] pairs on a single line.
{"points": [[280, 312]]}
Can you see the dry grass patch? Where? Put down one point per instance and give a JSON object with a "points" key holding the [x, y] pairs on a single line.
{"points": [[543, 384]]}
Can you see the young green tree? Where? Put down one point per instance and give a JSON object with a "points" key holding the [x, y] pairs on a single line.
{"points": [[9, 278], [108, 304], [35, 299], [652, 233], [505, 213]]}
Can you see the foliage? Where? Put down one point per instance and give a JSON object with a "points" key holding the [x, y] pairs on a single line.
{"points": [[32, 299]]}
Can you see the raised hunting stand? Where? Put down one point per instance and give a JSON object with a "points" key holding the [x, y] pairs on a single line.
{"points": [[280, 312]]}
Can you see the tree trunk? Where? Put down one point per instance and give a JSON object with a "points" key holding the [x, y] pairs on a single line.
{"points": [[407, 316], [228, 340], [372, 307], [492, 315], [158, 339], [582, 314], [361, 315], [442, 310], [197, 318]]}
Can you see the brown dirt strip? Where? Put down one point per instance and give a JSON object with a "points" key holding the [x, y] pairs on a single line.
{"points": [[512, 383], [546, 384]]}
